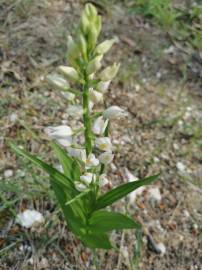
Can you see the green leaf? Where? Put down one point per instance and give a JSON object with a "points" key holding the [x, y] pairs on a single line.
{"points": [[121, 191], [69, 165], [104, 221], [74, 215], [60, 178], [94, 240]]}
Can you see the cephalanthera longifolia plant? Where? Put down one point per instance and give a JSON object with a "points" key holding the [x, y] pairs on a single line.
{"points": [[79, 188]]}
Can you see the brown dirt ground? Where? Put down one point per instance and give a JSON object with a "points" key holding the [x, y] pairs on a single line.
{"points": [[163, 98]]}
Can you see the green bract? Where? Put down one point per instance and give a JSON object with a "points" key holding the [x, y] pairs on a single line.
{"points": [[78, 188]]}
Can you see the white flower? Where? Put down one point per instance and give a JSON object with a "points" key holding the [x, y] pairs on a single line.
{"points": [[58, 82], [63, 134], [59, 132], [92, 161], [87, 177], [100, 125], [69, 72], [103, 144], [91, 76], [80, 186], [29, 218], [68, 95], [75, 111], [95, 96], [106, 158], [65, 142], [113, 112], [95, 64], [77, 153], [91, 104], [109, 73], [103, 181], [103, 86]]}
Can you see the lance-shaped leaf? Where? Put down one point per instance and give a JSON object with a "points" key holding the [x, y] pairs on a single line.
{"points": [[121, 191], [74, 214], [60, 178], [104, 221], [96, 240], [69, 165]]}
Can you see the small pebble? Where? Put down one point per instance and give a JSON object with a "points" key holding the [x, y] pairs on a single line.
{"points": [[161, 248], [8, 173], [154, 194], [13, 117], [181, 167], [156, 159], [29, 218]]}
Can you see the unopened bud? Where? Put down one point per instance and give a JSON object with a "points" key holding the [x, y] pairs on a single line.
{"points": [[83, 46], [104, 46], [85, 23], [90, 10]]}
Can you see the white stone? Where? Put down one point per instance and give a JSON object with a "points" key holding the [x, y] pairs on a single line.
{"points": [[29, 218], [154, 194], [8, 173], [133, 195], [181, 167], [162, 248], [13, 117]]}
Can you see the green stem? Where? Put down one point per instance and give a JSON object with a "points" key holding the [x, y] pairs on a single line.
{"points": [[86, 118]]}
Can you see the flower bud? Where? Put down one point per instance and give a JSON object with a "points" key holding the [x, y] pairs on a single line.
{"points": [[92, 161], [90, 10], [106, 158], [95, 96], [93, 35], [73, 51], [105, 46], [95, 64], [85, 23], [83, 46], [109, 73], [99, 126], [103, 86], [57, 81], [103, 144], [113, 112], [69, 72]]}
